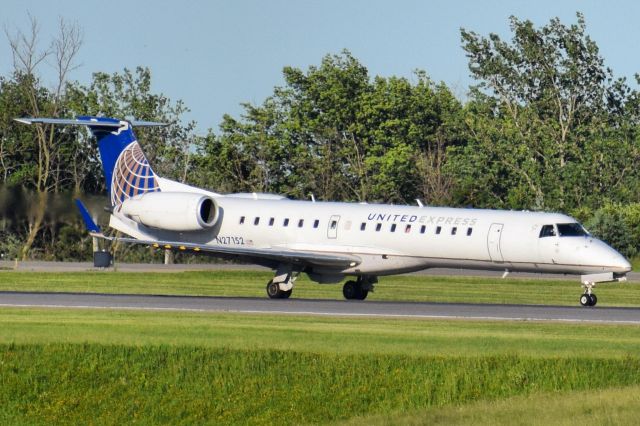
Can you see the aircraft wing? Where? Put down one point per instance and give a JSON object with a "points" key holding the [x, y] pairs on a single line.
{"points": [[275, 256]]}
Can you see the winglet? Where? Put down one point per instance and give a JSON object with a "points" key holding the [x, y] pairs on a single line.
{"points": [[86, 218]]}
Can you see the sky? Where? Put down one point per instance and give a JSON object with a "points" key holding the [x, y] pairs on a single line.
{"points": [[215, 55]]}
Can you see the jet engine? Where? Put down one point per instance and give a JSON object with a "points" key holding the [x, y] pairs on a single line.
{"points": [[173, 211]]}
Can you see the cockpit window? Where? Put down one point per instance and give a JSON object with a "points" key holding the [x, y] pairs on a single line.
{"points": [[547, 231], [571, 230]]}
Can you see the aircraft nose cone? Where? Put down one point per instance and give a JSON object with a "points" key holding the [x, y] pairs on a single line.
{"points": [[616, 261], [621, 263], [609, 257]]}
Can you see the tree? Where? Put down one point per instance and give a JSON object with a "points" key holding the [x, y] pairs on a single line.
{"points": [[322, 108], [27, 57], [333, 132], [129, 95], [543, 111], [408, 128]]}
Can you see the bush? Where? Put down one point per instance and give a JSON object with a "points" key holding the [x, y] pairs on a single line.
{"points": [[619, 226]]}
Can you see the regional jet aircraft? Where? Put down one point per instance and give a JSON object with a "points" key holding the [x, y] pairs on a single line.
{"points": [[330, 240]]}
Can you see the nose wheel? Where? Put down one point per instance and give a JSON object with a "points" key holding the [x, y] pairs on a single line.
{"points": [[588, 298]]}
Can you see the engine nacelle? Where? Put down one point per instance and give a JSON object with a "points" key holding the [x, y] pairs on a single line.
{"points": [[173, 211]]}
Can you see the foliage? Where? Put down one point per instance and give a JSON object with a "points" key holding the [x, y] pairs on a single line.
{"points": [[549, 125], [334, 132], [618, 225]]}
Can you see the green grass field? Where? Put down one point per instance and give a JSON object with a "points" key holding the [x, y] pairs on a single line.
{"points": [[596, 407], [399, 287], [80, 366]]}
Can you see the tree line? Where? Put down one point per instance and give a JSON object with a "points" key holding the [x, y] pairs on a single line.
{"points": [[546, 126]]}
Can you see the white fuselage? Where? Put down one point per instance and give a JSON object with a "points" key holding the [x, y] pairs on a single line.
{"points": [[394, 239]]}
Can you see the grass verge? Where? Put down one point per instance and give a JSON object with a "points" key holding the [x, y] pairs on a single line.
{"points": [[107, 384], [319, 334], [615, 406], [252, 283]]}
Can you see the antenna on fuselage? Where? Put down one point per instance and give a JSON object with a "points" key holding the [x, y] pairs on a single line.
{"points": [[313, 198], [419, 202]]}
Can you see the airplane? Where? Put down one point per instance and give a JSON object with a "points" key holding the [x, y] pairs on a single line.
{"points": [[330, 241]]}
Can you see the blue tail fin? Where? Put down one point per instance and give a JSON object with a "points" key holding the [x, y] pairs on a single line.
{"points": [[126, 169]]}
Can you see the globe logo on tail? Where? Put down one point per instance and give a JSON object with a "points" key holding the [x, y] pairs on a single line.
{"points": [[132, 175]]}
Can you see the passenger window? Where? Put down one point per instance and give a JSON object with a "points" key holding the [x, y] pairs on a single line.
{"points": [[378, 227], [363, 226], [316, 223], [423, 229], [271, 221], [469, 231], [454, 230], [256, 221], [407, 229], [241, 220], [438, 229], [300, 223], [393, 227], [285, 222], [547, 231], [334, 224]]}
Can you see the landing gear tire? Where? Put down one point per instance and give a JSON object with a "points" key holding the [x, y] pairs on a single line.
{"points": [[274, 292], [362, 294], [353, 290], [585, 300], [588, 299], [350, 290]]}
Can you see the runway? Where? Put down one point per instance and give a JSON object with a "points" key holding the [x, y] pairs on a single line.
{"points": [[331, 308]]}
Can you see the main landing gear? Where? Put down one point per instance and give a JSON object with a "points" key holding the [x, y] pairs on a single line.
{"points": [[358, 290], [274, 291], [281, 286]]}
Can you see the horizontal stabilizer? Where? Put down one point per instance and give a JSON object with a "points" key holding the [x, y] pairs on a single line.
{"points": [[86, 122], [86, 218]]}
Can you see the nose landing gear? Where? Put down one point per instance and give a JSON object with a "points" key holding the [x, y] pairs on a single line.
{"points": [[588, 298]]}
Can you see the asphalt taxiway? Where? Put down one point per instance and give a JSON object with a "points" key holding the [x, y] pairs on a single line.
{"points": [[333, 308]]}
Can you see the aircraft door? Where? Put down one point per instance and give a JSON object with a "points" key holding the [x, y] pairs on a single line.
{"points": [[332, 230], [493, 242]]}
